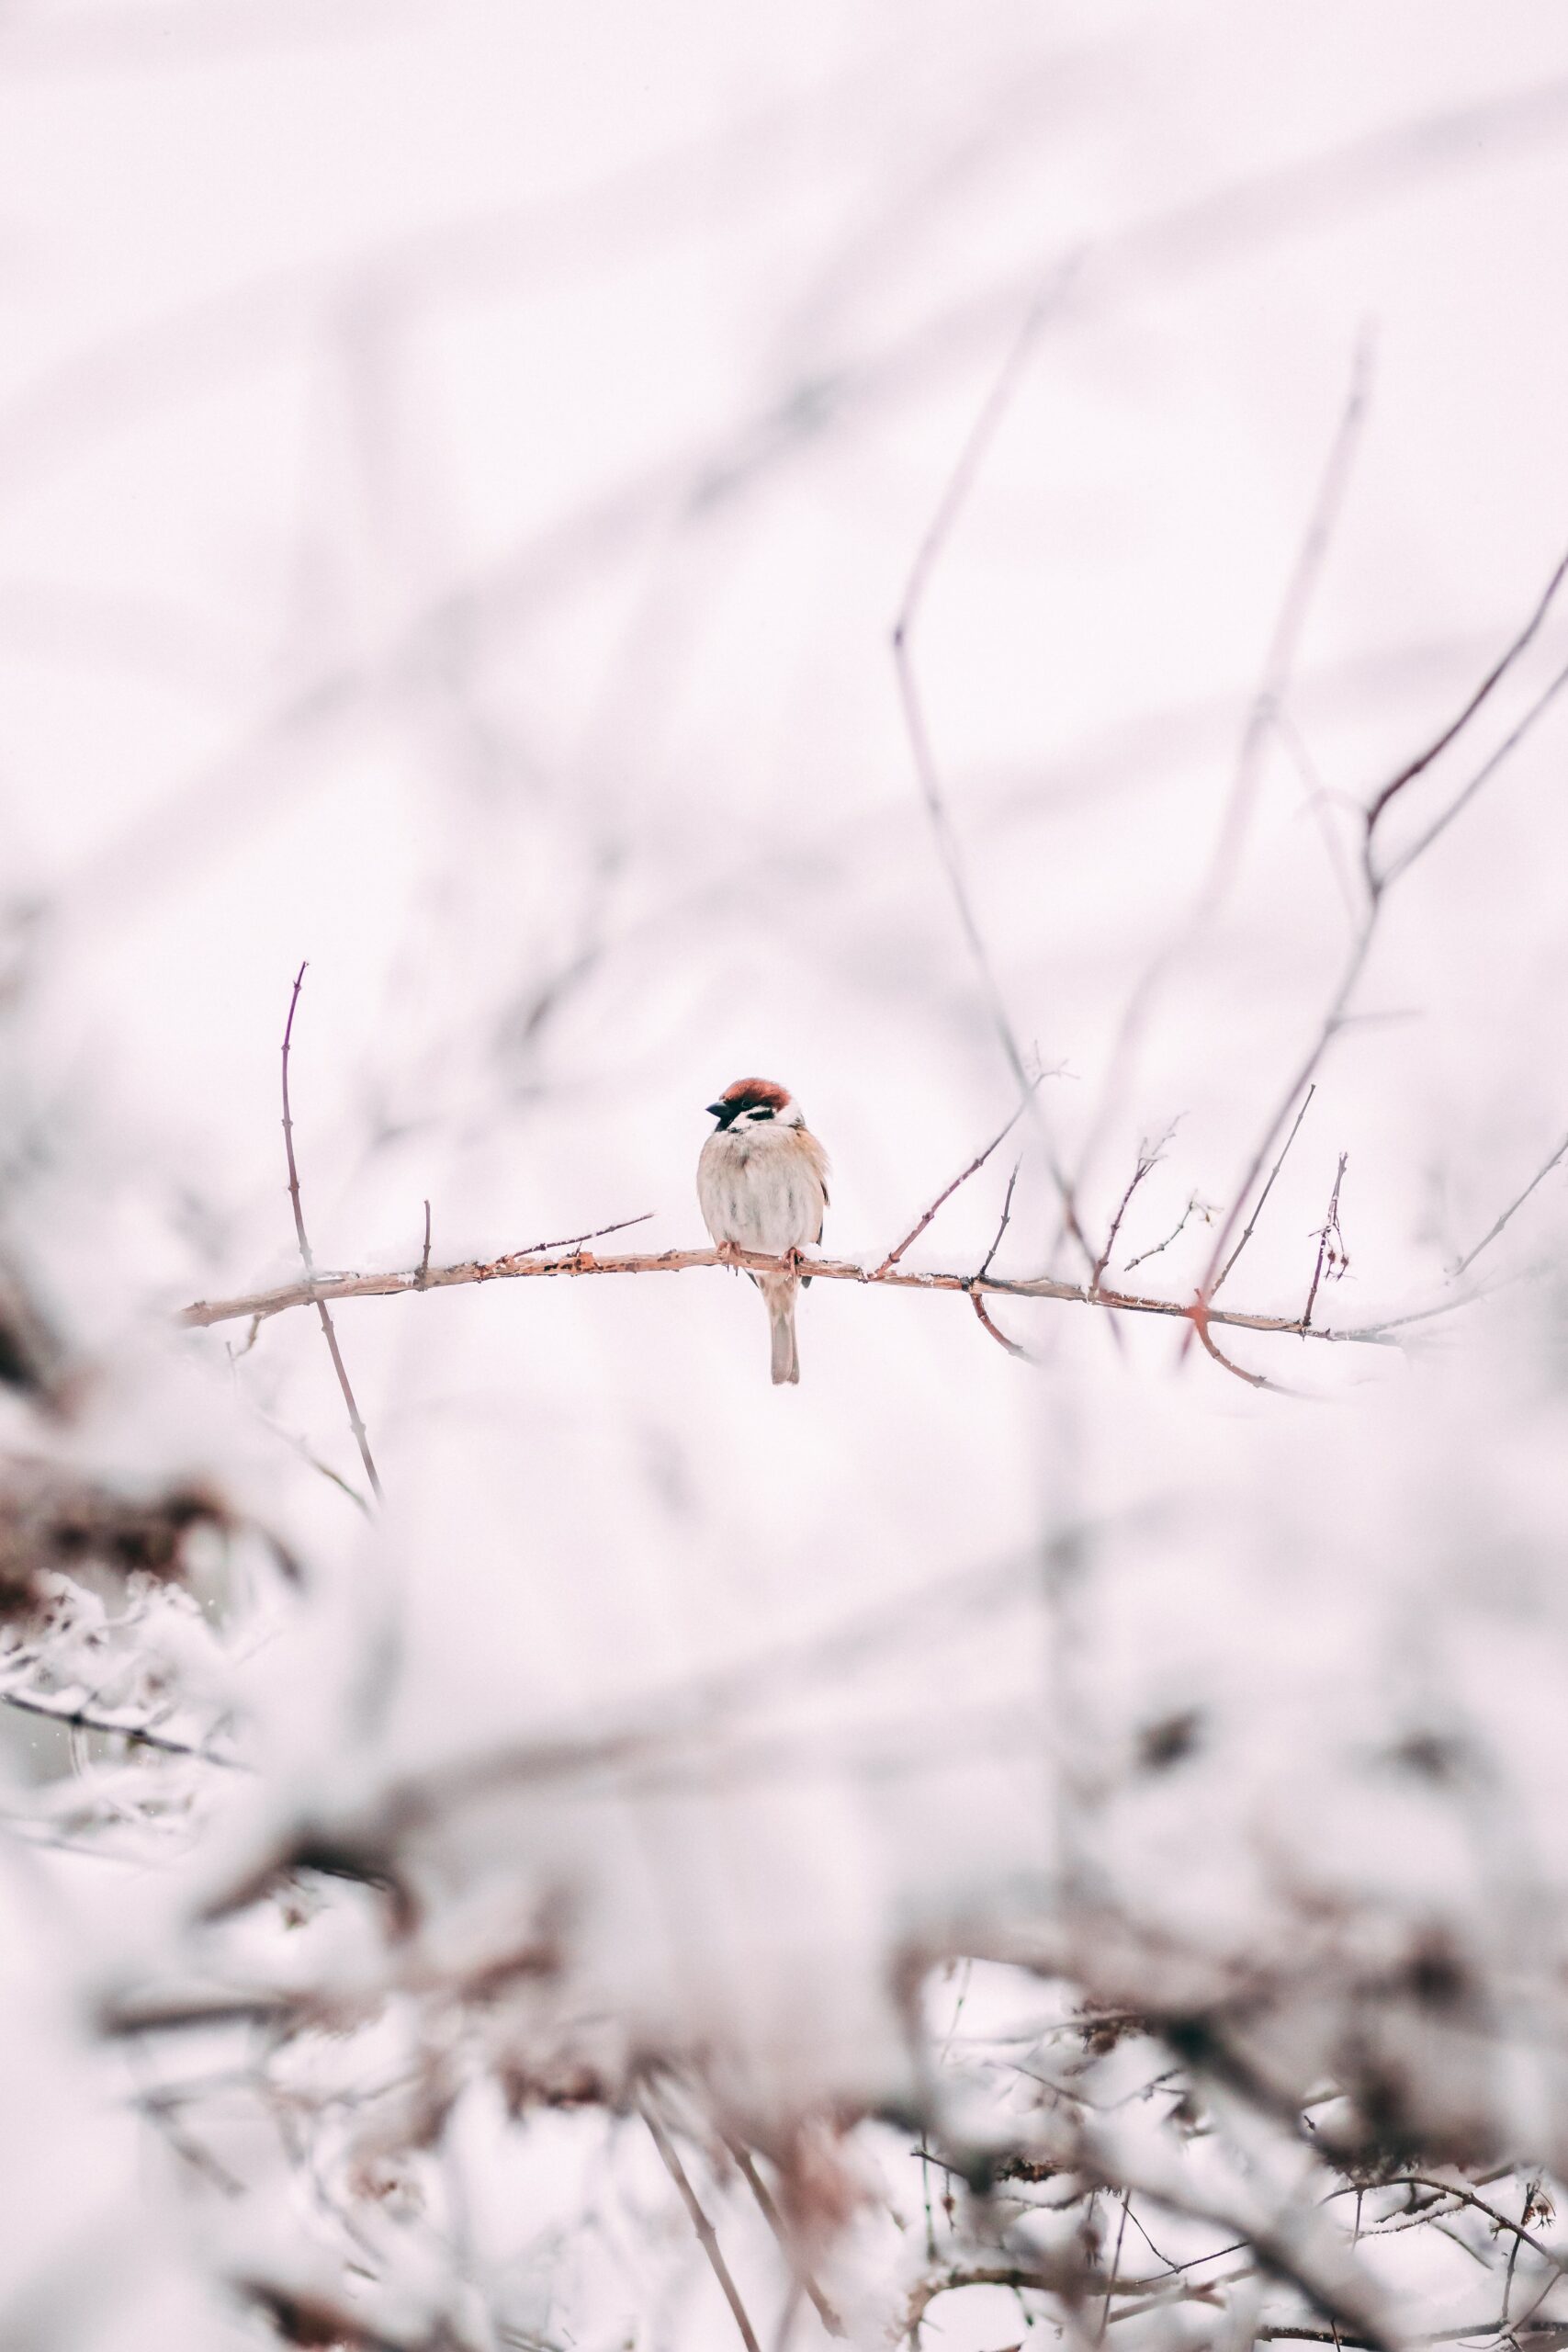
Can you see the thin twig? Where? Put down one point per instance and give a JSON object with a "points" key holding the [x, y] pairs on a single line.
{"points": [[1146, 1160], [1488, 768], [1493, 678], [959, 485], [775, 2220], [571, 1240], [1007, 1212], [425, 1259], [1487, 1238], [86, 1718], [1530, 2189], [1330, 1240], [1115, 2266], [1300, 1077], [948, 1191], [1214, 1288], [1461, 2195], [1016, 2275], [1000, 1336], [360, 1439], [1200, 1323], [1193, 1206], [702, 2225], [1290, 623], [1317, 803], [1378, 886], [1279, 668]]}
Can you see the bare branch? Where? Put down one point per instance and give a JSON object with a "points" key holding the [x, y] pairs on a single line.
{"points": [[1317, 798], [1512, 1210], [960, 483], [1378, 886], [572, 1241], [961, 1178], [360, 1439], [1007, 1212], [1016, 2276], [767, 2206], [1289, 626], [64, 1708], [1279, 667], [1214, 1288], [1330, 1245], [1146, 1160], [1193, 1206], [206, 1312], [424, 1256], [1000, 1336], [1483, 774], [707, 2237], [1423, 760], [1201, 1322]]}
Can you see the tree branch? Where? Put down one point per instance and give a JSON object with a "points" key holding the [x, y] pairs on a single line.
{"points": [[948, 1191], [313, 1290], [707, 2237], [949, 506], [1330, 1242], [63, 1708], [1262, 1197], [1511, 1211], [520, 1267], [1493, 678]]}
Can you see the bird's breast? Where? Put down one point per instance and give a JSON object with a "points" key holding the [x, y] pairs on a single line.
{"points": [[759, 1191]]}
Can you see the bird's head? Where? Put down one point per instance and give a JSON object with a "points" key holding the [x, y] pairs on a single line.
{"points": [[753, 1102]]}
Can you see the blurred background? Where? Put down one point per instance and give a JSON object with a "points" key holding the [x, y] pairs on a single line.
{"points": [[460, 466]]}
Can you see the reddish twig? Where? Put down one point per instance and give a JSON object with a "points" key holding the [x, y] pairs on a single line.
{"points": [[571, 1240], [425, 1259], [1213, 1289], [1511, 1211], [1146, 1160], [961, 1178], [1193, 1206], [1202, 1319], [707, 2237], [361, 1440], [1330, 1246], [1007, 1212], [1000, 1336], [1423, 760]]}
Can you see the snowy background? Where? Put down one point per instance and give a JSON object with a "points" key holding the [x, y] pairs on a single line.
{"points": [[460, 466]]}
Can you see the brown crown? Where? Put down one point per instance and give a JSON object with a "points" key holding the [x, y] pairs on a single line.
{"points": [[755, 1094]]}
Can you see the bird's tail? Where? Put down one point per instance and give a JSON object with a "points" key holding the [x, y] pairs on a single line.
{"points": [[785, 1359]]}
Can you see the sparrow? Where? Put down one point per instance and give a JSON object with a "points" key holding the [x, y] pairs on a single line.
{"points": [[762, 1185]]}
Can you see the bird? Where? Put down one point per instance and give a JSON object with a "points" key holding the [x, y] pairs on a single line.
{"points": [[762, 1185]]}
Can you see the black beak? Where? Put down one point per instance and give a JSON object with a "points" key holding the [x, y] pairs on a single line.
{"points": [[715, 1110]]}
